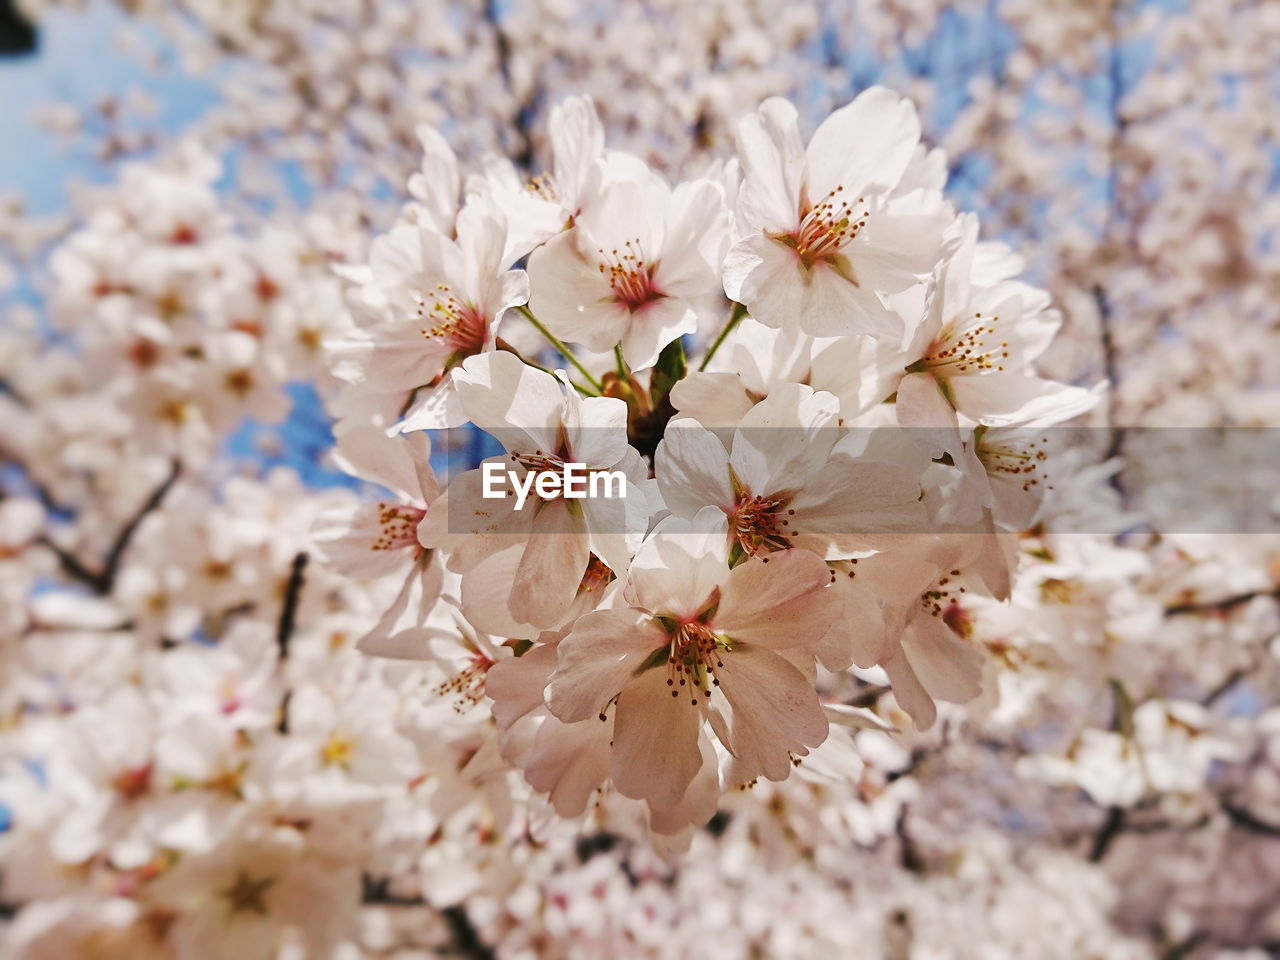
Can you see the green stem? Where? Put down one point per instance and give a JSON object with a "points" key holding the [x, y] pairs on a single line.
{"points": [[623, 370], [508, 348], [735, 318], [565, 351]]}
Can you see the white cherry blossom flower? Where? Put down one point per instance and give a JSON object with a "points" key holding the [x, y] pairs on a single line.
{"points": [[637, 269], [435, 301], [543, 424], [829, 231], [701, 643], [788, 479]]}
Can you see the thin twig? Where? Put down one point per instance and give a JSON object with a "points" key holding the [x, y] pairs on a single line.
{"points": [[564, 351], [102, 581], [1111, 828], [735, 318], [289, 607], [116, 554], [503, 345], [1220, 606], [1248, 821], [466, 941]]}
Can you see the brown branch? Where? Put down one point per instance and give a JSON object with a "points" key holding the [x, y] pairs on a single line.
{"points": [[1220, 606], [116, 553], [377, 891], [284, 629], [908, 853], [466, 941], [289, 607], [1112, 827], [1248, 821], [103, 580]]}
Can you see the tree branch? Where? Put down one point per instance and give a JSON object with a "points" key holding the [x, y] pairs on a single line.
{"points": [[1112, 827], [289, 607], [1220, 606], [102, 581], [1248, 821]]}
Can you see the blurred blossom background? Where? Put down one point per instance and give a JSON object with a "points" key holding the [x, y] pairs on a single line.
{"points": [[1113, 793]]}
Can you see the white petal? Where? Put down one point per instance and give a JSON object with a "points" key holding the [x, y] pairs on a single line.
{"points": [[866, 144], [655, 742], [775, 712], [597, 659]]}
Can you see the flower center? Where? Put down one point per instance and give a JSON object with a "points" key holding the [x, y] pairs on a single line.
{"points": [[247, 894], [968, 347], [543, 186], [597, 575], [630, 276], [457, 324], [133, 782], [338, 751], [758, 522], [694, 656], [1016, 458], [467, 685], [942, 602], [398, 527], [827, 226]]}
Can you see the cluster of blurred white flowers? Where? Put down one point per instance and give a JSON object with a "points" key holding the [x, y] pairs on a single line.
{"points": [[837, 667]]}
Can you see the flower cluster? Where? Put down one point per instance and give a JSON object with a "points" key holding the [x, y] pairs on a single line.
{"points": [[839, 640], [778, 522]]}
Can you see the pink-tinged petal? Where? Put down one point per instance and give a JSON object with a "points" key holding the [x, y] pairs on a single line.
{"points": [[438, 183], [679, 565], [999, 398], [713, 399], [785, 439], [773, 160], [867, 143], [577, 141], [486, 588], [568, 293], [511, 400], [850, 500], [568, 762], [654, 326], [516, 684], [909, 693], [434, 408], [382, 642], [695, 240], [780, 600], [837, 303], [921, 403], [859, 634], [766, 276], [596, 429], [700, 801], [775, 711], [368, 453], [472, 526], [509, 289], [892, 252], [597, 659], [655, 742], [692, 468], [374, 540], [482, 239], [551, 567], [947, 667], [395, 357]]}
